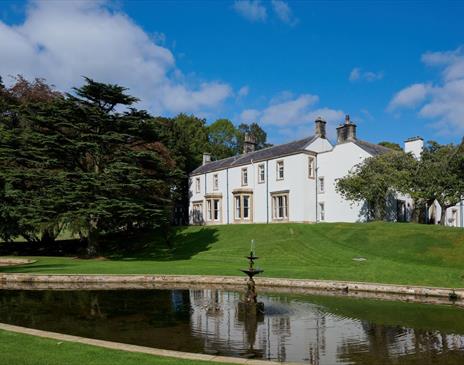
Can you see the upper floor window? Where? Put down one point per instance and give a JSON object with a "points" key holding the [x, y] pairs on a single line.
{"points": [[261, 173], [245, 176], [197, 185], [280, 170], [321, 184], [311, 167], [215, 182]]}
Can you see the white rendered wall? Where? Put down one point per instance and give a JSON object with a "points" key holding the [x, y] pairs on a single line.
{"points": [[333, 165], [301, 189], [415, 147]]}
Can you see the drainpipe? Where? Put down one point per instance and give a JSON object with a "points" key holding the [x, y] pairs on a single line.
{"points": [[227, 190], [267, 191], [315, 180]]}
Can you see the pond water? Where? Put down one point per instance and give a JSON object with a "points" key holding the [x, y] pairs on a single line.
{"points": [[297, 328]]}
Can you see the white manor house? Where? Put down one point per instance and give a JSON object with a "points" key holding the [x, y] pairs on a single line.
{"points": [[293, 182]]}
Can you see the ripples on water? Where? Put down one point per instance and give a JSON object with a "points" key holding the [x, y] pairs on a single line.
{"points": [[310, 329]]}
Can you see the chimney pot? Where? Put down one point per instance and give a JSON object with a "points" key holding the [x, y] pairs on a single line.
{"points": [[320, 129], [249, 143], [346, 132], [206, 158]]}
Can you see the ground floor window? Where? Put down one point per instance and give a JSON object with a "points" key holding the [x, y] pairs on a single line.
{"points": [[280, 206], [197, 213], [243, 207], [322, 212], [213, 210]]}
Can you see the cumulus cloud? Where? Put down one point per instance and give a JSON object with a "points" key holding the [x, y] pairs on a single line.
{"points": [[293, 114], [409, 97], [243, 91], [357, 74], [252, 10], [442, 101], [284, 12], [63, 41]]}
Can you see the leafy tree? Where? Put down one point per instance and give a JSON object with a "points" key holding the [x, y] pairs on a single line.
{"points": [[254, 130], [439, 176], [391, 145], [222, 137], [186, 136], [84, 162], [376, 180]]}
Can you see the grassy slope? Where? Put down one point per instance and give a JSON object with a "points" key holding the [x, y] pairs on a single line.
{"points": [[41, 351], [395, 253]]}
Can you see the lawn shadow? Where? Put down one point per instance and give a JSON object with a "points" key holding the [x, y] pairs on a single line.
{"points": [[26, 268], [183, 245]]}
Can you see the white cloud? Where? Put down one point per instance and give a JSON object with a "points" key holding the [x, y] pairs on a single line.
{"points": [[293, 116], [252, 10], [442, 101], [243, 91], [63, 41], [284, 12], [409, 97], [357, 74]]}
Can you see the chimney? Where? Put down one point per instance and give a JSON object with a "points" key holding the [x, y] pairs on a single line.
{"points": [[346, 132], [249, 143], [206, 158], [414, 145], [320, 127]]}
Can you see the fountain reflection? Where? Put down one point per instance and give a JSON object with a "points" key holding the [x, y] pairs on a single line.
{"points": [[309, 329]]}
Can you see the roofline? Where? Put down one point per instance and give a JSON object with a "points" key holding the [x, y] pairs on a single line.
{"points": [[304, 152]]}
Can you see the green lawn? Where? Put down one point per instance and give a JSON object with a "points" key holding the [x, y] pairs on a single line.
{"points": [[42, 351], [396, 253]]}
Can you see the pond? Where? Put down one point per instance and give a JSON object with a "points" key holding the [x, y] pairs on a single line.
{"points": [[310, 329]]}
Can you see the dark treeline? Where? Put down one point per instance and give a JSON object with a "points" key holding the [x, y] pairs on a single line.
{"points": [[90, 162]]}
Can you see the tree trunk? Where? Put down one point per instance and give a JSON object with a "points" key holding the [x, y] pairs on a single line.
{"points": [[92, 240], [48, 237], [443, 215]]}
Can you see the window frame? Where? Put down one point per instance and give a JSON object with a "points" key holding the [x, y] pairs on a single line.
{"points": [[244, 176], [197, 212], [321, 186], [280, 164], [311, 167], [211, 210], [216, 182], [280, 211], [261, 168], [321, 211], [197, 185], [240, 208]]}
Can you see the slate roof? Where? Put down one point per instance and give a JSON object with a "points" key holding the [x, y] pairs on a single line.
{"points": [[371, 148], [260, 155]]}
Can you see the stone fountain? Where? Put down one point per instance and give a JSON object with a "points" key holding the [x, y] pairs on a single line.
{"points": [[250, 304]]}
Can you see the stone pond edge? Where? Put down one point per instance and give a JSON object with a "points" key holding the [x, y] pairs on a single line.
{"points": [[346, 286], [134, 348]]}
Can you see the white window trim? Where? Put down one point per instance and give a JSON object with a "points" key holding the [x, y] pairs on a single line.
{"points": [[245, 173], [215, 182], [239, 197], [210, 210], [286, 211], [321, 211], [311, 167], [278, 164], [197, 185], [261, 166], [321, 187]]}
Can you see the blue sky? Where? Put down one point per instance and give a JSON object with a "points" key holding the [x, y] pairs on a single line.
{"points": [[396, 67]]}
